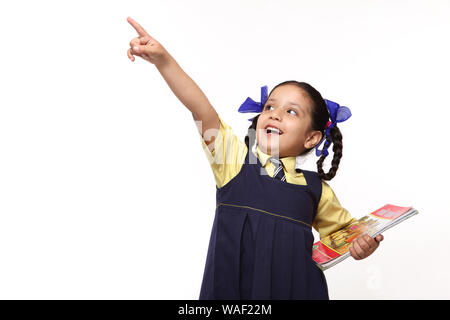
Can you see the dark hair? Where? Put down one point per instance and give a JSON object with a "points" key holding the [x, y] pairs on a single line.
{"points": [[320, 116]]}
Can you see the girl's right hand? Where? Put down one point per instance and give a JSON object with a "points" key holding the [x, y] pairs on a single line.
{"points": [[146, 46]]}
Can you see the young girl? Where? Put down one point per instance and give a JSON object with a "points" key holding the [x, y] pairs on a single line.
{"points": [[261, 239]]}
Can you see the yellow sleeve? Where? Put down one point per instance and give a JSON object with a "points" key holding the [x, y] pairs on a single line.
{"points": [[228, 155], [331, 216]]}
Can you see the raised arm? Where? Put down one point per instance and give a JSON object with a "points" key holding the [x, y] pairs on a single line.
{"points": [[184, 88]]}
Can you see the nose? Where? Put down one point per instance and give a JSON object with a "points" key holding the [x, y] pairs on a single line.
{"points": [[275, 114]]}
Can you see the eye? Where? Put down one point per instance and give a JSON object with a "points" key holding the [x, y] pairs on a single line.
{"points": [[268, 106], [292, 110]]}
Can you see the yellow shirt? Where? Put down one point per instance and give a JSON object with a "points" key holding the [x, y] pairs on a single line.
{"points": [[226, 161]]}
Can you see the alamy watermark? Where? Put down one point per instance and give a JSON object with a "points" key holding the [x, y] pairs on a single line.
{"points": [[269, 141]]}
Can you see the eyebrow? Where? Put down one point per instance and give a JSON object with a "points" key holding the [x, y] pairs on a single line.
{"points": [[290, 102]]}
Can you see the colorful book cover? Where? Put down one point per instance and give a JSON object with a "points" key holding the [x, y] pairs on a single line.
{"points": [[334, 247]]}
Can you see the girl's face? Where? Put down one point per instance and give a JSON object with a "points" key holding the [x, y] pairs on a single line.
{"points": [[287, 109]]}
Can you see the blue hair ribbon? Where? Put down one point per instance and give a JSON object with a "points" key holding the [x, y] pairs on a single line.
{"points": [[337, 114], [250, 105]]}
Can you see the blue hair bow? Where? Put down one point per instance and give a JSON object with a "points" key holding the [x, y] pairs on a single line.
{"points": [[337, 114], [252, 106]]}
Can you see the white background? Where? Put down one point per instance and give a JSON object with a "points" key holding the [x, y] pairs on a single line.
{"points": [[105, 191]]}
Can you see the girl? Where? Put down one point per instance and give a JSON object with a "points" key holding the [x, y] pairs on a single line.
{"points": [[261, 239]]}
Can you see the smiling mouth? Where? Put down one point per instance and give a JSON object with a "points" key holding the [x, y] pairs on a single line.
{"points": [[273, 130]]}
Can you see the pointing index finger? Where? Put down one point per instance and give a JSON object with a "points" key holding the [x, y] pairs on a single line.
{"points": [[137, 27]]}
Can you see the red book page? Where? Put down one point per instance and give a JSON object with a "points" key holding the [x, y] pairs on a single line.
{"points": [[390, 212], [321, 253]]}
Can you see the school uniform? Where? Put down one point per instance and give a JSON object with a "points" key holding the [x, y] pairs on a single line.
{"points": [[261, 240]]}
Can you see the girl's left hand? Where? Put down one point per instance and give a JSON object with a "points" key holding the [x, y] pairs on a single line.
{"points": [[364, 246]]}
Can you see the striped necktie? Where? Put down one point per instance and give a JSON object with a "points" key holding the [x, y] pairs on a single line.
{"points": [[278, 172]]}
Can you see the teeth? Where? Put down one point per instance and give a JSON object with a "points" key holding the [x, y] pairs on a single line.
{"points": [[273, 130]]}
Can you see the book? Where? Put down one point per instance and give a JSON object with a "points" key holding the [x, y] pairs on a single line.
{"points": [[334, 248]]}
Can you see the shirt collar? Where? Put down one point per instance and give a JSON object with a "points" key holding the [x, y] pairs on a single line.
{"points": [[288, 162]]}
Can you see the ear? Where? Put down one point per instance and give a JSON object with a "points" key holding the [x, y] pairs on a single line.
{"points": [[313, 139]]}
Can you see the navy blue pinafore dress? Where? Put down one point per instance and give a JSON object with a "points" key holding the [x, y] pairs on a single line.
{"points": [[261, 239]]}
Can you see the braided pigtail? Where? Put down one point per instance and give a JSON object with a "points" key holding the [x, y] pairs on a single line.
{"points": [[335, 138], [251, 134]]}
